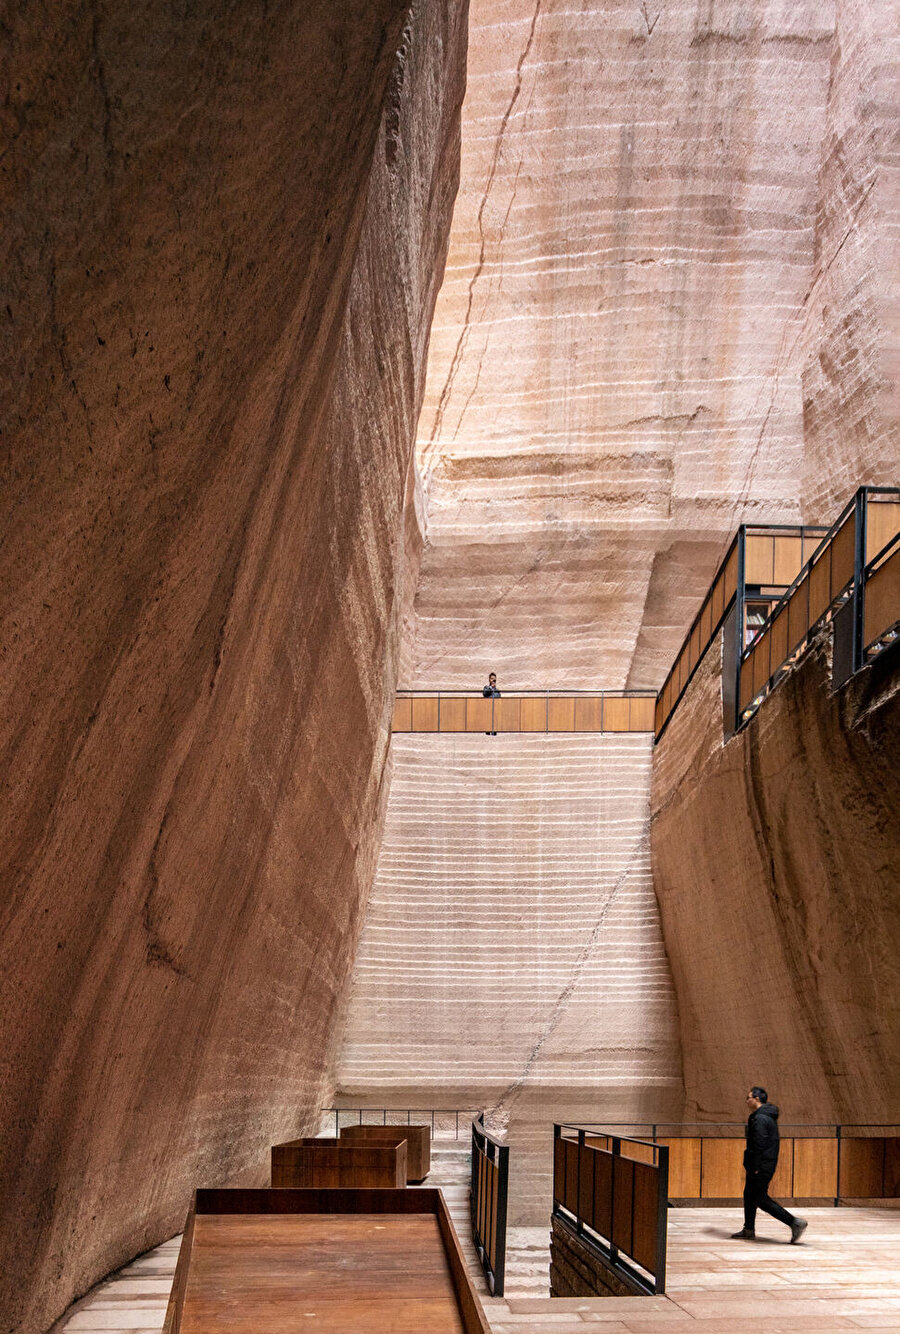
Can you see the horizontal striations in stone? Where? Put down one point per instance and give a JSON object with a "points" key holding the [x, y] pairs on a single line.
{"points": [[512, 933], [614, 374]]}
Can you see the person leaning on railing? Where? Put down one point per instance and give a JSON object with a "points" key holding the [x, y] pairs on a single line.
{"points": [[490, 691]]}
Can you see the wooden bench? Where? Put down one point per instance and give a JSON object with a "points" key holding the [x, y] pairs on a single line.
{"points": [[333, 1163], [333, 1261], [418, 1145]]}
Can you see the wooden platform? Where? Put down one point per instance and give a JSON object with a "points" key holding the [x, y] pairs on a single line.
{"points": [[335, 1261]]}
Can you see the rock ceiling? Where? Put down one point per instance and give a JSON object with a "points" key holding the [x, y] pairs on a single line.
{"points": [[611, 385]]}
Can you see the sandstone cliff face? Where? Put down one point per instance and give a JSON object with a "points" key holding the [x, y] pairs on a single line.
{"points": [[224, 234], [511, 955], [614, 379], [851, 336], [776, 861]]}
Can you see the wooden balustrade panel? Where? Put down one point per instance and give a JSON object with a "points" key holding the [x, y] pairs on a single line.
{"points": [[559, 1170], [588, 713], [798, 615], [616, 715], [534, 715], [820, 586], [479, 715], [722, 1169], [842, 555], [601, 1217], [684, 1168], [586, 1183], [891, 1185], [788, 561], [706, 625], [761, 667], [623, 1191], [339, 1164], [507, 715], [729, 578], [861, 1174], [759, 559], [779, 633], [882, 599], [646, 1215], [561, 715], [402, 716], [425, 713], [882, 525], [782, 1181], [418, 1144], [453, 714], [641, 714], [815, 1168]]}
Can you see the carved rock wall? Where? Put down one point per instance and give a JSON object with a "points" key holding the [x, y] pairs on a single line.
{"points": [[851, 342], [776, 860], [511, 955], [614, 379], [224, 234]]}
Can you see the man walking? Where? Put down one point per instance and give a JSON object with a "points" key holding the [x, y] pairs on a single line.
{"points": [[760, 1161]]}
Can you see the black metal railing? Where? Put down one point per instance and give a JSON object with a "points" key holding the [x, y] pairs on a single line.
{"points": [[445, 1122], [615, 1203], [488, 1195]]}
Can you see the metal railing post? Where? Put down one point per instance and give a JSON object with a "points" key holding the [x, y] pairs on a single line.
{"points": [[579, 1221], [662, 1217], [859, 576], [739, 620], [613, 1248]]}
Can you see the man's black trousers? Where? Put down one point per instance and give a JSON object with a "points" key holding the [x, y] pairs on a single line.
{"points": [[756, 1196]]}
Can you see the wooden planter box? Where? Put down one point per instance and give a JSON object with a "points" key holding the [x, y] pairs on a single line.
{"points": [[334, 1261], [335, 1163], [418, 1144]]}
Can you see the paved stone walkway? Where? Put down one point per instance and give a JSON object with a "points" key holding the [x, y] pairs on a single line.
{"points": [[844, 1276]]}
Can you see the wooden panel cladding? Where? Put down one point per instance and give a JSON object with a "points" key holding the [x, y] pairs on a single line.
{"points": [[788, 560], [525, 713], [815, 1168], [480, 715], [820, 586], [560, 715], [533, 715], [402, 719], [334, 1163], [882, 525], [453, 714], [425, 715], [589, 714], [418, 1144], [645, 1233], [759, 559], [244, 1264], [798, 615], [684, 1168], [842, 553], [861, 1175], [882, 599], [722, 1170], [507, 714]]}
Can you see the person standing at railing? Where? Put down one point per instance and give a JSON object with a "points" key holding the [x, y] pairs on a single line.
{"points": [[760, 1161], [490, 691]]}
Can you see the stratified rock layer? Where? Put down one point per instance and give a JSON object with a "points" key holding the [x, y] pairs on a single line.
{"points": [[511, 955], [776, 861], [670, 307], [223, 235]]}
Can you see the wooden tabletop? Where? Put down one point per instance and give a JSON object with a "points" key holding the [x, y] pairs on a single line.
{"points": [[334, 1273]]}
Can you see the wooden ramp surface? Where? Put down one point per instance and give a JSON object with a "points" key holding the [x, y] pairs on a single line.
{"points": [[334, 1273]]}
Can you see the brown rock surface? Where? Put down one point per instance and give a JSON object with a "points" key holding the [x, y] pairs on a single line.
{"points": [[223, 234], [776, 861]]}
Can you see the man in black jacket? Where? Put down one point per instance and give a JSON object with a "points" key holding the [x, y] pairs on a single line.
{"points": [[760, 1161]]}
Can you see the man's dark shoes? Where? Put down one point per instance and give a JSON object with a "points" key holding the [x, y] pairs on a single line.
{"points": [[746, 1234], [798, 1229]]}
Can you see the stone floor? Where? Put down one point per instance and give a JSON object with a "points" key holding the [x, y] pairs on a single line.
{"points": [[844, 1276]]}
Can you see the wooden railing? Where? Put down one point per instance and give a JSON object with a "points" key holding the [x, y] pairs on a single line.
{"points": [[613, 1200], [488, 1195], [524, 711], [817, 1163]]}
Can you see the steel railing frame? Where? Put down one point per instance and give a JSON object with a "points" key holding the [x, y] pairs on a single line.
{"points": [[491, 1248]]}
